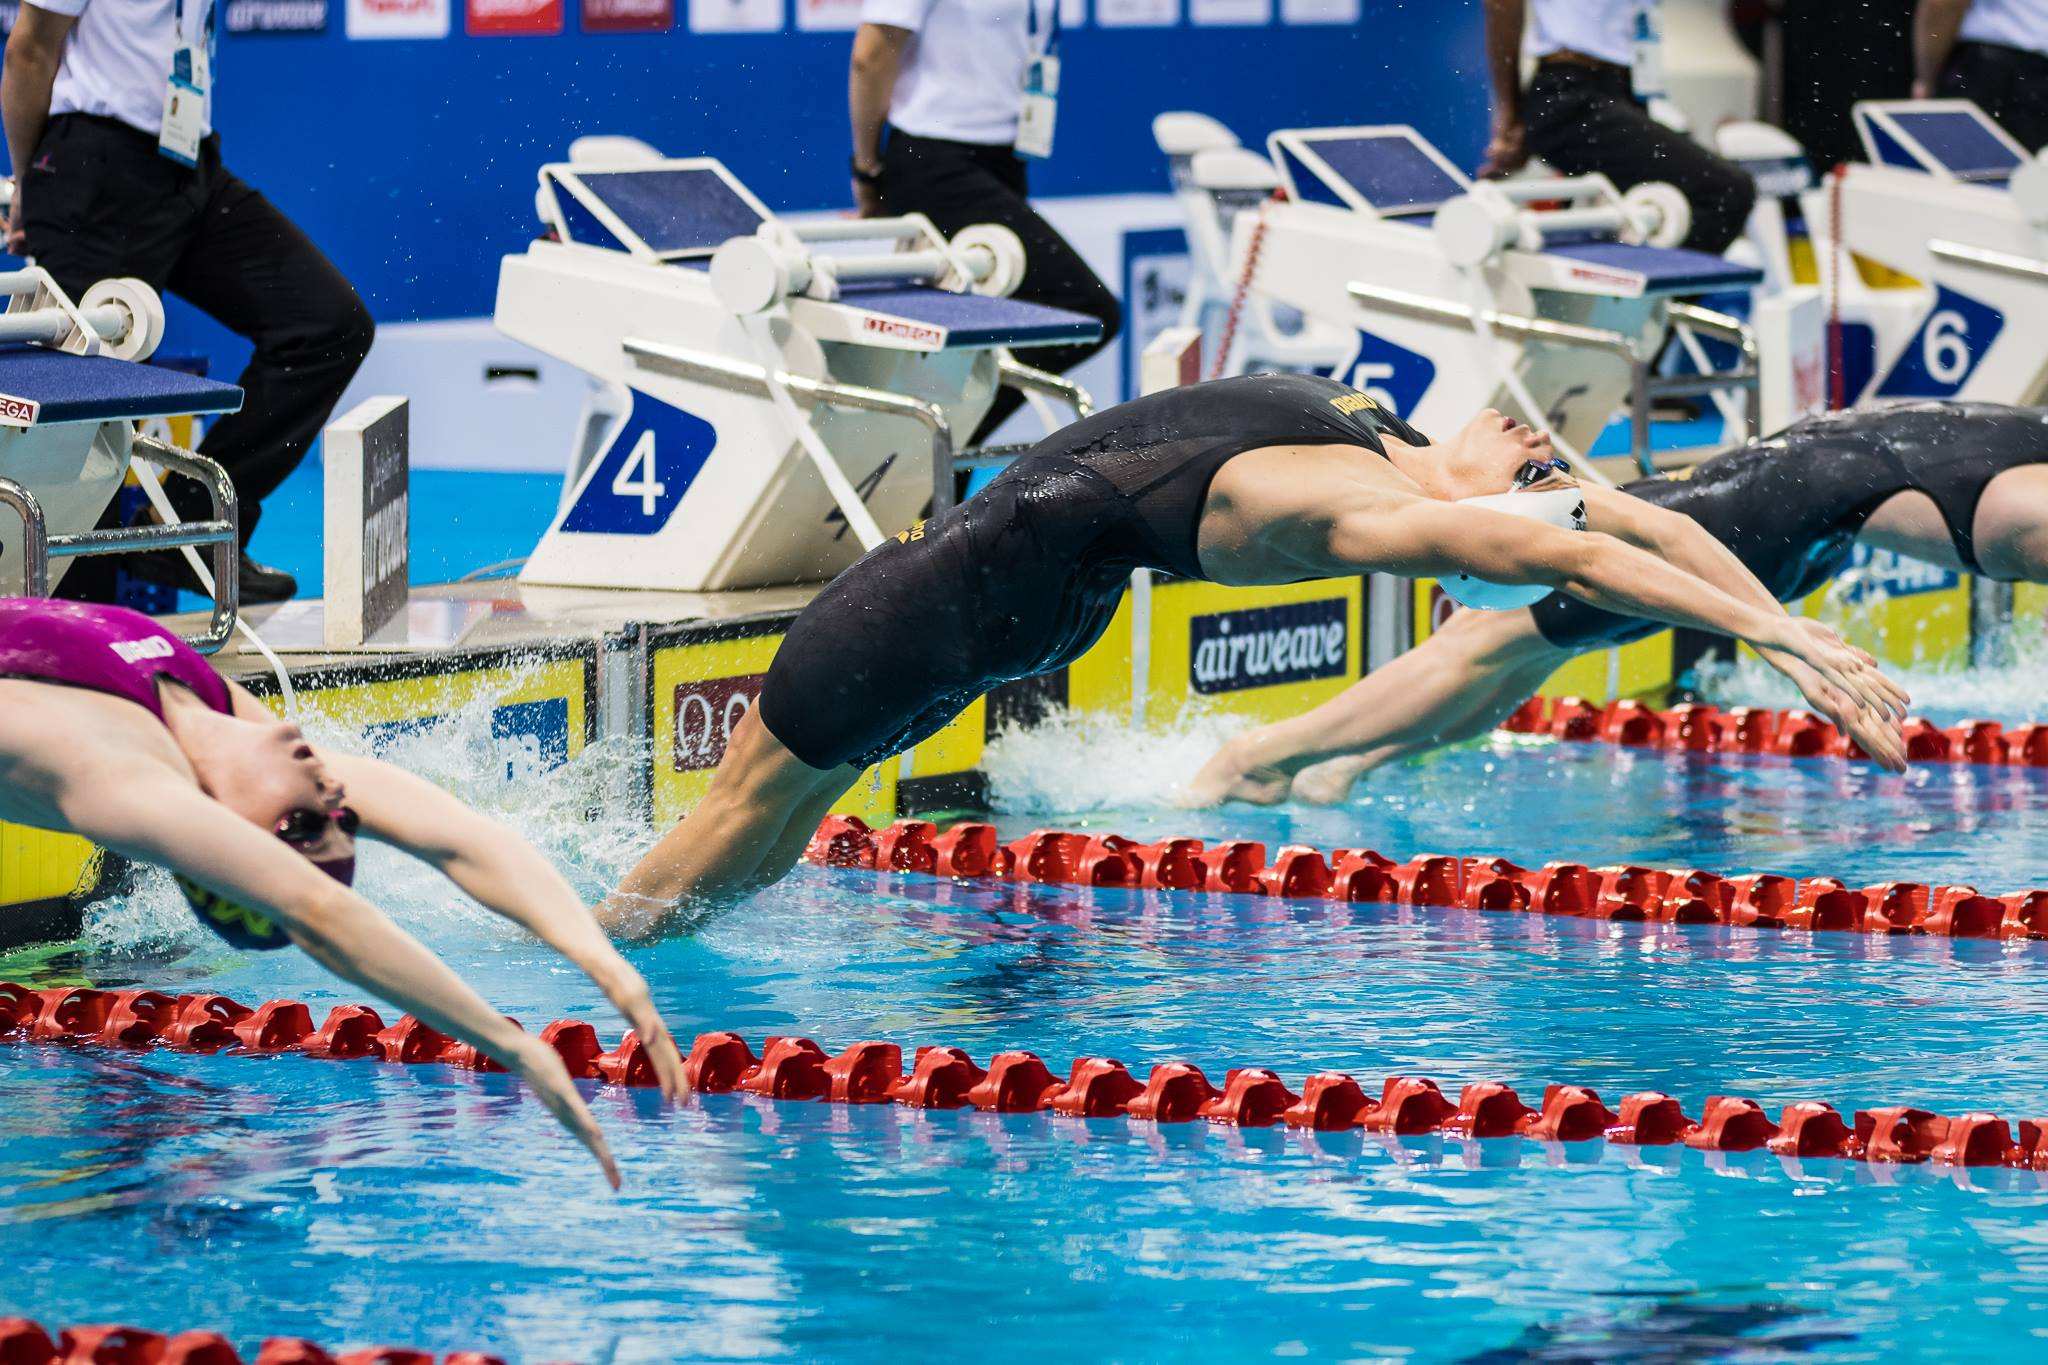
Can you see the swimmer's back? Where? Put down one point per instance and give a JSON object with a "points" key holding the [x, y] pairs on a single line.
{"points": [[1161, 452], [1791, 506]]}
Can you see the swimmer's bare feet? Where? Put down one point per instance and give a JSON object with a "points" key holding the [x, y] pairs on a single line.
{"points": [[1328, 783], [1230, 775]]}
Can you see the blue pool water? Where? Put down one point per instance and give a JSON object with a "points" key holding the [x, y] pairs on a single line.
{"points": [[357, 1202]]}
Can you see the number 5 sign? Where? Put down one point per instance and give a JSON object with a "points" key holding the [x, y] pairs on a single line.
{"points": [[1939, 360]]}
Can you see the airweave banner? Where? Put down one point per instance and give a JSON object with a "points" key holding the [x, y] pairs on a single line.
{"points": [[1261, 646]]}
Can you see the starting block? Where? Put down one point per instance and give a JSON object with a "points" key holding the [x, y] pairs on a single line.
{"points": [[1548, 296], [769, 397], [70, 395], [1955, 214]]}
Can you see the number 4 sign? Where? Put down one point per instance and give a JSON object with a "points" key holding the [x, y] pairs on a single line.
{"points": [[635, 486], [638, 476]]}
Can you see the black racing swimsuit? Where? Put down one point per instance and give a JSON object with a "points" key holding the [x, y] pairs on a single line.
{"points": [[1024, 576], [1790, 507]]}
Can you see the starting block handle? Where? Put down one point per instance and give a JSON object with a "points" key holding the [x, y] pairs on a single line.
{"points": [[900, 265], [49, 325], [898, 229], [1571, 188]]}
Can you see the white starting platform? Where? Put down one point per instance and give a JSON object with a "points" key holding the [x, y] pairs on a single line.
{"points": [[1551, 297], [1956, 215], [71, 392], [770, 397]]}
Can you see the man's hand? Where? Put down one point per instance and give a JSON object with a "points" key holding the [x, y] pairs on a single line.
{"points": [[867, 200], [1506, 153], [536, 1063]]}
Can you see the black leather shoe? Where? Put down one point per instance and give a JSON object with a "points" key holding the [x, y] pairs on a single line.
{"points": [[261, 583]]}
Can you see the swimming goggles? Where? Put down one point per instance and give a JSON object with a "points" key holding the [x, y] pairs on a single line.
{"points": [[1534, 472], [303, 828]]}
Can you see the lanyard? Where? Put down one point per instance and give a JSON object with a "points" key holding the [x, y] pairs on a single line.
{"points": [[1052, 33], [206, 33]]}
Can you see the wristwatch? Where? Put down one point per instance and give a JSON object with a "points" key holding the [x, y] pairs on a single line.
{"points": [[873, 177]]}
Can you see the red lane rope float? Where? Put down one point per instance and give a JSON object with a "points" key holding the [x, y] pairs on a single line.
{"points": [[1760, 730], [23, 1342], [799, 1070], [1617, 892]]}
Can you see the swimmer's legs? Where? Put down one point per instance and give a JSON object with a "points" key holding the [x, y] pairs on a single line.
{"points": [[1329, 782], [736, 840], [2011, 531], [1433, 691]]}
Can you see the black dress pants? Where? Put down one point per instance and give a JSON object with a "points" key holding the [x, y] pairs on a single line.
{"points": [[1584, 120], [959, 184], [2008, 83], [99, 200]]}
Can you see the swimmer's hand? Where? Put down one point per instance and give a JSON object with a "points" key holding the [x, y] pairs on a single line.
{"points": [[536, 1063], [627, 990], [1844, 684]]}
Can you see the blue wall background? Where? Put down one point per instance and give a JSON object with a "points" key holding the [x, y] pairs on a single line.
{"points": [[412, 162]]}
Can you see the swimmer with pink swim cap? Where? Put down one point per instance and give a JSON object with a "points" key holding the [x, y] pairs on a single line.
{"points": [[114, 729]]}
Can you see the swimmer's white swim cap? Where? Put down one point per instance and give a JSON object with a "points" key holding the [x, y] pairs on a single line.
{"points": [[1561, 507]]}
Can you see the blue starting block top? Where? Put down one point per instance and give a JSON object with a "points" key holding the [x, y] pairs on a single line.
{"points": [[1390, 170], [1951, 138], [1665, 270], [40, 387], [975, 320], [670, 210]]}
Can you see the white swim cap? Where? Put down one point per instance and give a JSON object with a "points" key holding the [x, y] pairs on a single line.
{"points": [[1560, 507]]}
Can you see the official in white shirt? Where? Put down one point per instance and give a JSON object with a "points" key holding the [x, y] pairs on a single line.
{"points": [[946, 96], [1994, 52], [1582, 112], [117, 169]]}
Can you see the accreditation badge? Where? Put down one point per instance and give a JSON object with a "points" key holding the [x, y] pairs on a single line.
{"points": [[1041, 106]]}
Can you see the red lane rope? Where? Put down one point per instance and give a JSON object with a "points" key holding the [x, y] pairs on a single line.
{"points": [[1761, 730], [797, 1069], [24, 1342], [1762, 900]]}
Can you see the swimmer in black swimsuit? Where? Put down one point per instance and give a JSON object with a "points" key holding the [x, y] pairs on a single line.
{"points": [[1260, 479], [1963, 485]]}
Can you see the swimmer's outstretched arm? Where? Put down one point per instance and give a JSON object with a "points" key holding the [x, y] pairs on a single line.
{"points": [[1421, 537], [1680, 540], [163, 820], [503, 872]]}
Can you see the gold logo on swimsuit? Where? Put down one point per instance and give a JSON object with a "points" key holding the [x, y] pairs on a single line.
{"points": [[916, 532], [1353, 402]]}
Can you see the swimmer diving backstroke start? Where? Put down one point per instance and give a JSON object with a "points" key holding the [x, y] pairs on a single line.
{"points": [[1963, 485], [112, 728], [1258, 479]]}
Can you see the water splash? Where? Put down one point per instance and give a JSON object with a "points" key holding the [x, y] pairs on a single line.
{"points": [[2011, 691], [1076, 761], [587, 816]]}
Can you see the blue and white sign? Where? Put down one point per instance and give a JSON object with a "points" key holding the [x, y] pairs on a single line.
{"points": [[1392, 376], [651, 462], [1875, 574], [1941, 357], [1156, 275]]}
